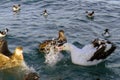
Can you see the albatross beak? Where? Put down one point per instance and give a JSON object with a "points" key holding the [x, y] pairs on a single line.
{"points": [[60, 48]]}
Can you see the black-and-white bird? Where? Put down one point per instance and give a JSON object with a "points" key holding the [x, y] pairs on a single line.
{"points": [[3, 33], [90, 54], [16, 7], [106, 33], [90, 14]]}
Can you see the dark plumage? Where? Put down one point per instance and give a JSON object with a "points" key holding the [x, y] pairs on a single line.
{"points": [[47, 44], [106, 33], [61, 38], [4, 47], [32, 76], [101, 53]]}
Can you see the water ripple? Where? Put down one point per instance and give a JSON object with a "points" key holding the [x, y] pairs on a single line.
{"points": [[28, 28]]}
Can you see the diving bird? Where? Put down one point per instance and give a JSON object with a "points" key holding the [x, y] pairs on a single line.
{"points": [[90, 54], [8, 59], [4, 33], [16, 7]]}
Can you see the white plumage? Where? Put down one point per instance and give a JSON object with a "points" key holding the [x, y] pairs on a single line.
{"points": [[89, 54]]}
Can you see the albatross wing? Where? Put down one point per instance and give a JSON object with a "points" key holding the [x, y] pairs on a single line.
{"points": [[102, 54]]}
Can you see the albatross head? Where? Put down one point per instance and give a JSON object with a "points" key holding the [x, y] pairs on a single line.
{"points": [[65, 46]]}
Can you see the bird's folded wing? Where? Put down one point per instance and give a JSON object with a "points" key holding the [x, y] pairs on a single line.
{"points": [[99, 54]]}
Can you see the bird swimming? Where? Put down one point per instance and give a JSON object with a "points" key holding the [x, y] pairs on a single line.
{"points": [[45, 45], [49, 47], [61, 38], [4, 33], [45, 13], [90, 15], [16, 8], [91, 54], [8, 59], [106, 33]]}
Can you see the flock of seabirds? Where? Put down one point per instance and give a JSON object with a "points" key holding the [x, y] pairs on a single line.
{"points": [[91, 54]]}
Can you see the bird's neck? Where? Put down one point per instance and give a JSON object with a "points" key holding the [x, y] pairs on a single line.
{"points": [[73, 49], [61, 36], [75, 54], [106, 32]]}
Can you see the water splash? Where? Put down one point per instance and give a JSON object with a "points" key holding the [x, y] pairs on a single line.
{"points": [[53, 57]]}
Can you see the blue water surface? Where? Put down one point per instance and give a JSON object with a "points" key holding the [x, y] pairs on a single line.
{"points": [[28, 28]]}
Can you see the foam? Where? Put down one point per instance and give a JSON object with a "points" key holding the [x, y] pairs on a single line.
{"points": [[53, 57]]}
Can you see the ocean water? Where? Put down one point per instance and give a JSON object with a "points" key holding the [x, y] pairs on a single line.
{"points": [[28, 28]]}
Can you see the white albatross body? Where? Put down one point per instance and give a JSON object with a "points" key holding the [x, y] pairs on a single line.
{"points": [[83, 56]]}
